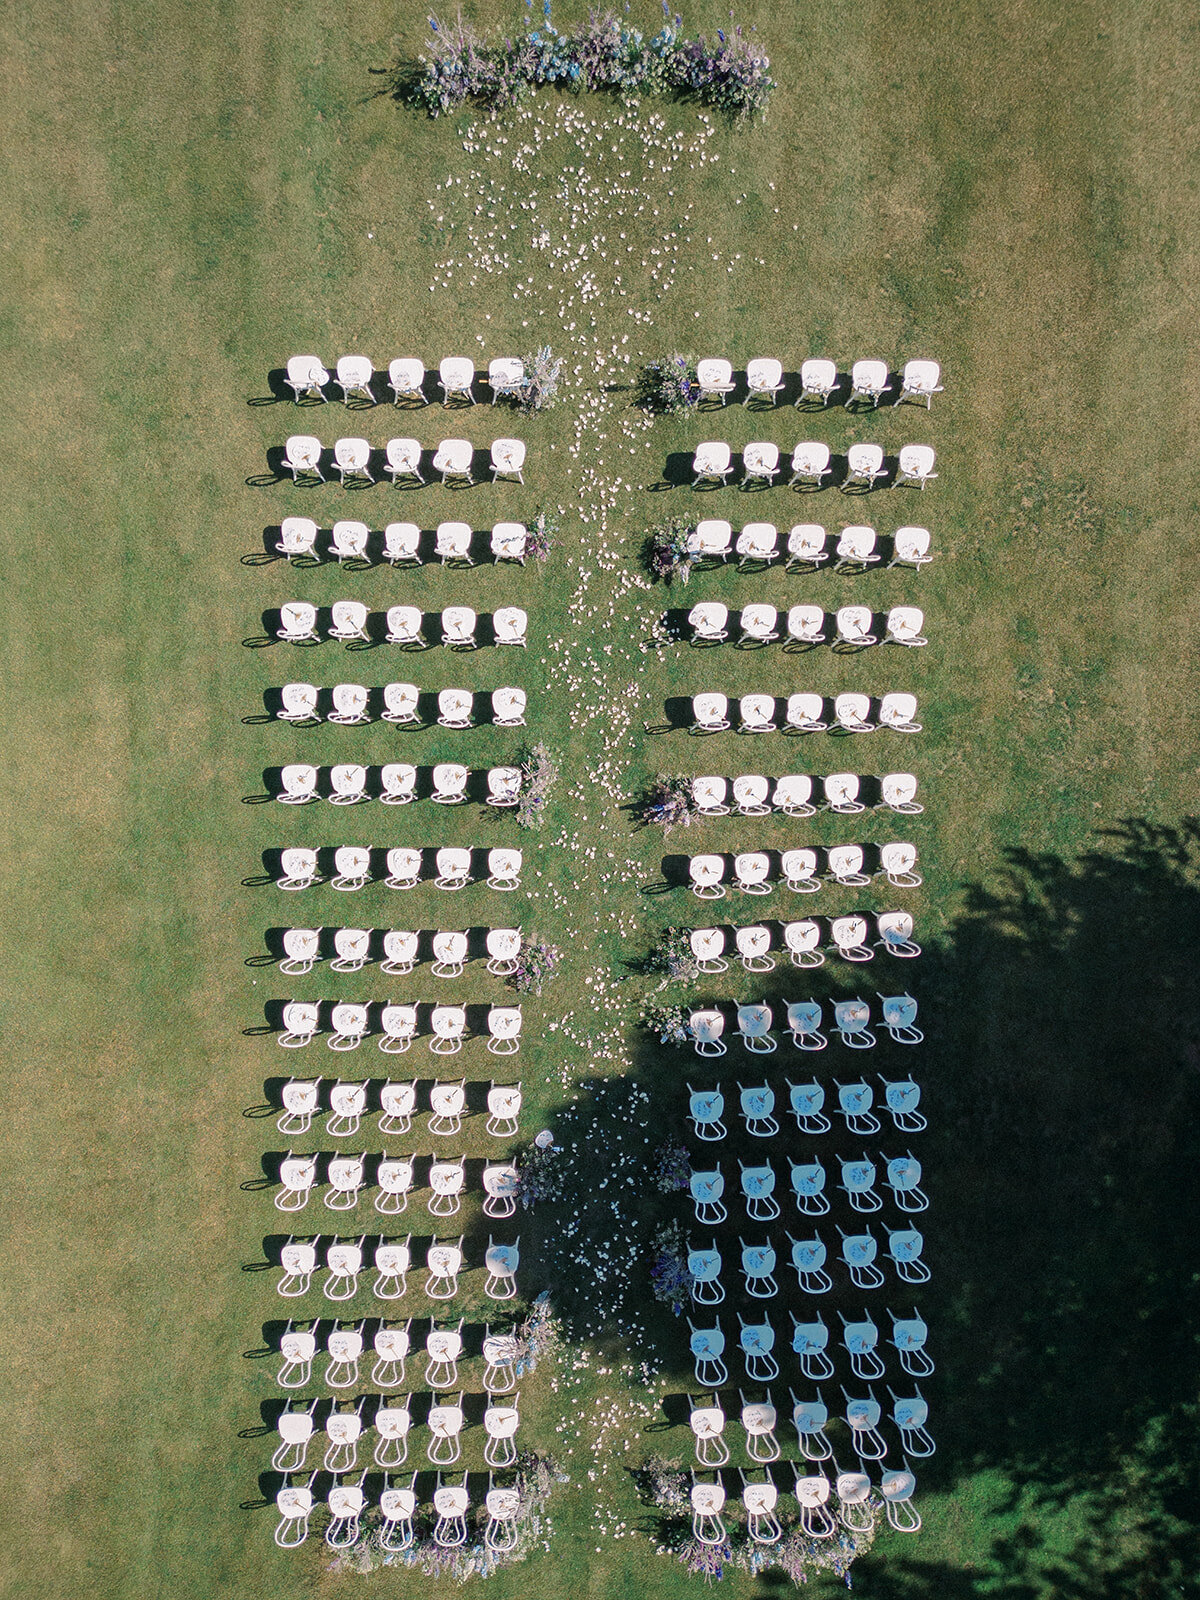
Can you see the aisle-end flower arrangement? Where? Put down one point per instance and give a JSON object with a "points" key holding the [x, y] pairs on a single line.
{"points": [[731, 72]]}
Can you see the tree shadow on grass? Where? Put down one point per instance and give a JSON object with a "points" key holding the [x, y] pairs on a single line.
{"points": [[1061, 1078]]}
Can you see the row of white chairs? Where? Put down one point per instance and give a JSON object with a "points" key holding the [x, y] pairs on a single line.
{"points": [[400, 542], [447, 1184], [300, 623], [355, 704], [859, 1254], [848, 936], [858, 1178], [403, 868], [759, 624], [443, 1262], [869, 380], [855, 1507], [353, 374], [800, 869], [866, 464], [345, 1259], [453, 458], [445, 1419], [393, 1345], [347, 1104], [792, 794], [805, 713], [397, 950], [395, 783], [451, 1506], [856, 548], [759, 1419], [350, 1023], [810, 1341], [394, 1178], [851, 1020]]}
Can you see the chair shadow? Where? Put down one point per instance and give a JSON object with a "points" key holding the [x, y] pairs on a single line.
{"points": [[278, 385]]}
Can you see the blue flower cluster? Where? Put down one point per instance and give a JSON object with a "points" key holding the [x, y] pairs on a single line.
{"points": [[603, 53]]}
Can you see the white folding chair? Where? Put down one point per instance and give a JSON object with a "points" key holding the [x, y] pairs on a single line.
{"points": [[302, 453], [508, 542], [348, 784], [348, 620], [503, 947], [852, 713], [919, 381], [504, 869], [398, 1029], [508, 708], [509, 625], [504, 1108], [764, 380], [458, 628], [349, 540], [899, 712], [399, 951], [904, 624], [709, 713], [868, 381], [760, 463], [756, 714], [298, 622], [897, 791], [456, 374], [504, 786], [910, 548], [710, 539], [452, 543], [506, 375], [507, 459], [402, 543], [453, 458], [805, 714], [449, 1029], [297, 784], [306, 377], [806, 546], [758, 541], [406, 378], [864, 466], [759, 624], [352, 458], [504, 1030], [818, 379], [449, 783], [398, 780], [404, 626], [793, 792], [708, 622], [856, 549], [297, 537], [712, 462], [298, 703], [403, 867], [916, 465], [402, 459], [810, 464], [354, 374], [714, 379], [297, 869], [854, 626], [806, 624], [706, 873]]}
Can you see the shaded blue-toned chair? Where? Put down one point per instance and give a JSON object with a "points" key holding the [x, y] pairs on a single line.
{"points": [[758, 1267], [909, 1335], [904, 1180], [804, 1023], [758, 1190], [910, 1414], [854, 1103], [808, 1258], [809, 1418], [858, 1252], [806, 1101], [858, 1184], [899, 1015], [904, 1247], [758, 1105], [862, 1415], [705, 1269], [754, 1028], [706, 1189], [707, 1346], [758, 1342], [902, 1098], [705, 1108], [861, 1340], [850, 1019], [808, 1188], [810, 1341]]}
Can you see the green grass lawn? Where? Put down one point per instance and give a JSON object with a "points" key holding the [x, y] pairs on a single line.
{"points": [[192, 195]]}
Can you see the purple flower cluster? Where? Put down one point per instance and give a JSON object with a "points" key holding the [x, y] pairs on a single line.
{"points": [[667, 386], [540, 536], [539, 774], [668, 802], [601, 54], [538, 962], [672, 1169], [670, 1280], [668, 552]]}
